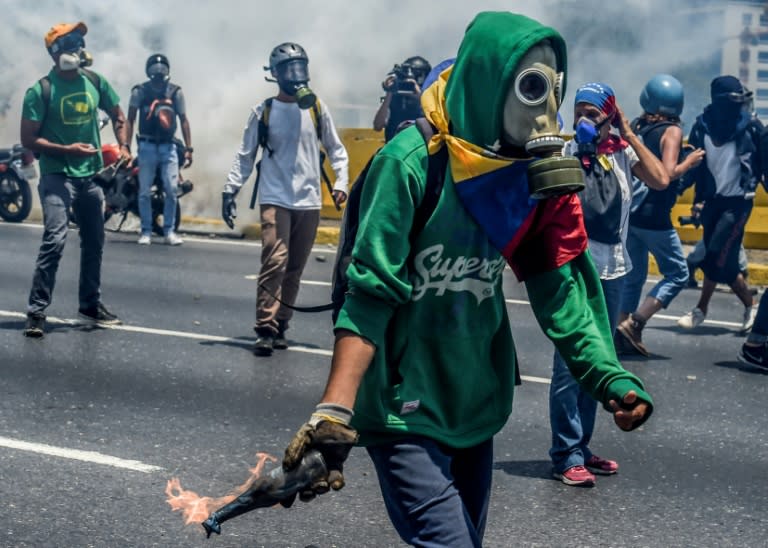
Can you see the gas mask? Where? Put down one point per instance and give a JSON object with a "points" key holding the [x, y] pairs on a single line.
{"points": [[158, 74], [73, 54], [293, 77], [587, 134], [530, 122]]}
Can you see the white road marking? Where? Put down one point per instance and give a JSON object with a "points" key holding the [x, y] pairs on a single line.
{"points": [[76, 454], [302, 282], [216, 241], [164, 332], [657, 316]]}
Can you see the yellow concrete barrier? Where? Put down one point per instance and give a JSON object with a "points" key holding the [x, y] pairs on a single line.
{"points": [[361, 144]]}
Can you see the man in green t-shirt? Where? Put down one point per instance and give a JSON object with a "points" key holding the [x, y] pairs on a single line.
{"points": [[60, 122]]}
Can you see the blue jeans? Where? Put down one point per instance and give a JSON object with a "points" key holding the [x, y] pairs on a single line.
{"points": [[572, 411], [57, 194], [666, 248], [436, 496], [151, 157]]}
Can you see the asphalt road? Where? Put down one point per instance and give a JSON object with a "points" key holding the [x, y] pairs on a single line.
{"points": [[94, 423]]}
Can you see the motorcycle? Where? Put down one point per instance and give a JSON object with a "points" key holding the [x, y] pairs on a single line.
{"points": [[17, 168], [120, 183]]}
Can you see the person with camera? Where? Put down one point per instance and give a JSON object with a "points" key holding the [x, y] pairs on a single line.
{"points": [[725, 184], [650, 223], [402, 88], [289, 129], [158, 103], [60, 121]]}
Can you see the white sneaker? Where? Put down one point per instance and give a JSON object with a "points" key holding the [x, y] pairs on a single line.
{"points": [[145, 239], [173, 239], [749, 318], [692, 319]]}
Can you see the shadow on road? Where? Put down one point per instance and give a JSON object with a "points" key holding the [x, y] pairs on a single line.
{"points": [[745, 368], [50, 327], [539, 469]]}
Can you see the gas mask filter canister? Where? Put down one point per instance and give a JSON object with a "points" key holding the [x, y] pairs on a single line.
{"points": [[530, 122]]}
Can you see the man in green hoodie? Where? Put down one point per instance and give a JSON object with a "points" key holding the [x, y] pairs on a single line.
{"points": [[424, 353]]}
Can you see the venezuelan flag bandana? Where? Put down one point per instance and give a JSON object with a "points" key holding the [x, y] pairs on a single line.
{"points": [[534, 236]]}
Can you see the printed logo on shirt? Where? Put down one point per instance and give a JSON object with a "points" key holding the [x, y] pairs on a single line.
{"points": [[410, 407], [77, 108], [477, 275]]}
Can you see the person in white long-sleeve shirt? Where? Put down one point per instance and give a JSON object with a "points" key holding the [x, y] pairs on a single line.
{"points": [[289, 187]]}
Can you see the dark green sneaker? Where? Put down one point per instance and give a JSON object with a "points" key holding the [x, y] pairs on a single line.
{"points": [[280, 342]]}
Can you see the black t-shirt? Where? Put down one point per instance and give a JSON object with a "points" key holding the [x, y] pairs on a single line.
{"points": [[401, 109]]}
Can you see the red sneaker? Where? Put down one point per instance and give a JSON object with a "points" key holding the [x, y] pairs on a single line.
{"points": [[576, 475], [599, 465]]}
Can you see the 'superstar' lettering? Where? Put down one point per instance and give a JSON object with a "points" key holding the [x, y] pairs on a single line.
{"points": [[474, 274]]}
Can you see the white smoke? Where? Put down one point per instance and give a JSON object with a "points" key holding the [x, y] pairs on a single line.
{"points": [[217, 52]]}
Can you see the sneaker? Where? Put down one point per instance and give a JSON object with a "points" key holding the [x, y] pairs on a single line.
{"points": [[692, 319], [599, 465], [99, 314], [145, 239], [265, 343], [280, 343], [754, 355], [173, 239], [749, 318], [577, 476], [34, 326], [632, 331]]}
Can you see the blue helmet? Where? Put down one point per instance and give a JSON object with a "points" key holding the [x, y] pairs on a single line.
{"points": [[663, 94]]}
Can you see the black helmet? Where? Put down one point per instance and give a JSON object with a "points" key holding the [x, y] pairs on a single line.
{"points": [[287, 51], [155, 63]]}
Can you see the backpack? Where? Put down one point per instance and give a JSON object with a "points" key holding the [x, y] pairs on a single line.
{"points": [[263, 126], [436, 166], [45, 89], [601, 203], [314, 112], [158, 113]]}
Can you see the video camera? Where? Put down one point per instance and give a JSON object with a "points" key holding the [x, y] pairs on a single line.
{"points": [[405, 79]]}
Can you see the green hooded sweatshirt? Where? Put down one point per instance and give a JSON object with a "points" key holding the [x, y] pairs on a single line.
{"points": [[444, 366]]}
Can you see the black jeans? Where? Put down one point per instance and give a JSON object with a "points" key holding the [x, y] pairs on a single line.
{"points": [[58, 193], [724, 220]]}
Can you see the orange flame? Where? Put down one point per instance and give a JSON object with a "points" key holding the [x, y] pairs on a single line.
{"points": [[195, 508]]}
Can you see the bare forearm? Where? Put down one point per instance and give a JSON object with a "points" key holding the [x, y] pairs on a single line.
{"points": [[186, 133], [380, 119], [119, 126], [651, 168], [352, 355]]}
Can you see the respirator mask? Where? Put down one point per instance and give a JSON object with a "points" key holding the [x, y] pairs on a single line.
{"points": [[158, 74], [530, 122], [73, 54], [587, 134], [293, 77]]}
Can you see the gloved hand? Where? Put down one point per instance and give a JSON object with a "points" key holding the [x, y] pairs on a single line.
{"points": [[228, 209], [328, 432]]}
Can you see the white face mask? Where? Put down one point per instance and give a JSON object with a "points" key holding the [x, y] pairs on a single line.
{"points": [[530, 109], [73, 60]]}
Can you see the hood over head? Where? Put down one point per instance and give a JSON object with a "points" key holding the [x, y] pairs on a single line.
{"points": [[484, 71]]}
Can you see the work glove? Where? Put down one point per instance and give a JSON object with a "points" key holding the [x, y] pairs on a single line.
{"points": [[228, 209], [328, 432]]}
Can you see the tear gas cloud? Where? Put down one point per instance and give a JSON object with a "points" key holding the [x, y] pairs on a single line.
{"points": [[217, 52]]}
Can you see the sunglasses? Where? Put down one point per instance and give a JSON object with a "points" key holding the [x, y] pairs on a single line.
{"points": [[69, 42]]}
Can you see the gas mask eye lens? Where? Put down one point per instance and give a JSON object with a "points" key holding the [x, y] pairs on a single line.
{"points": [[69, 42], [532, 87]]}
